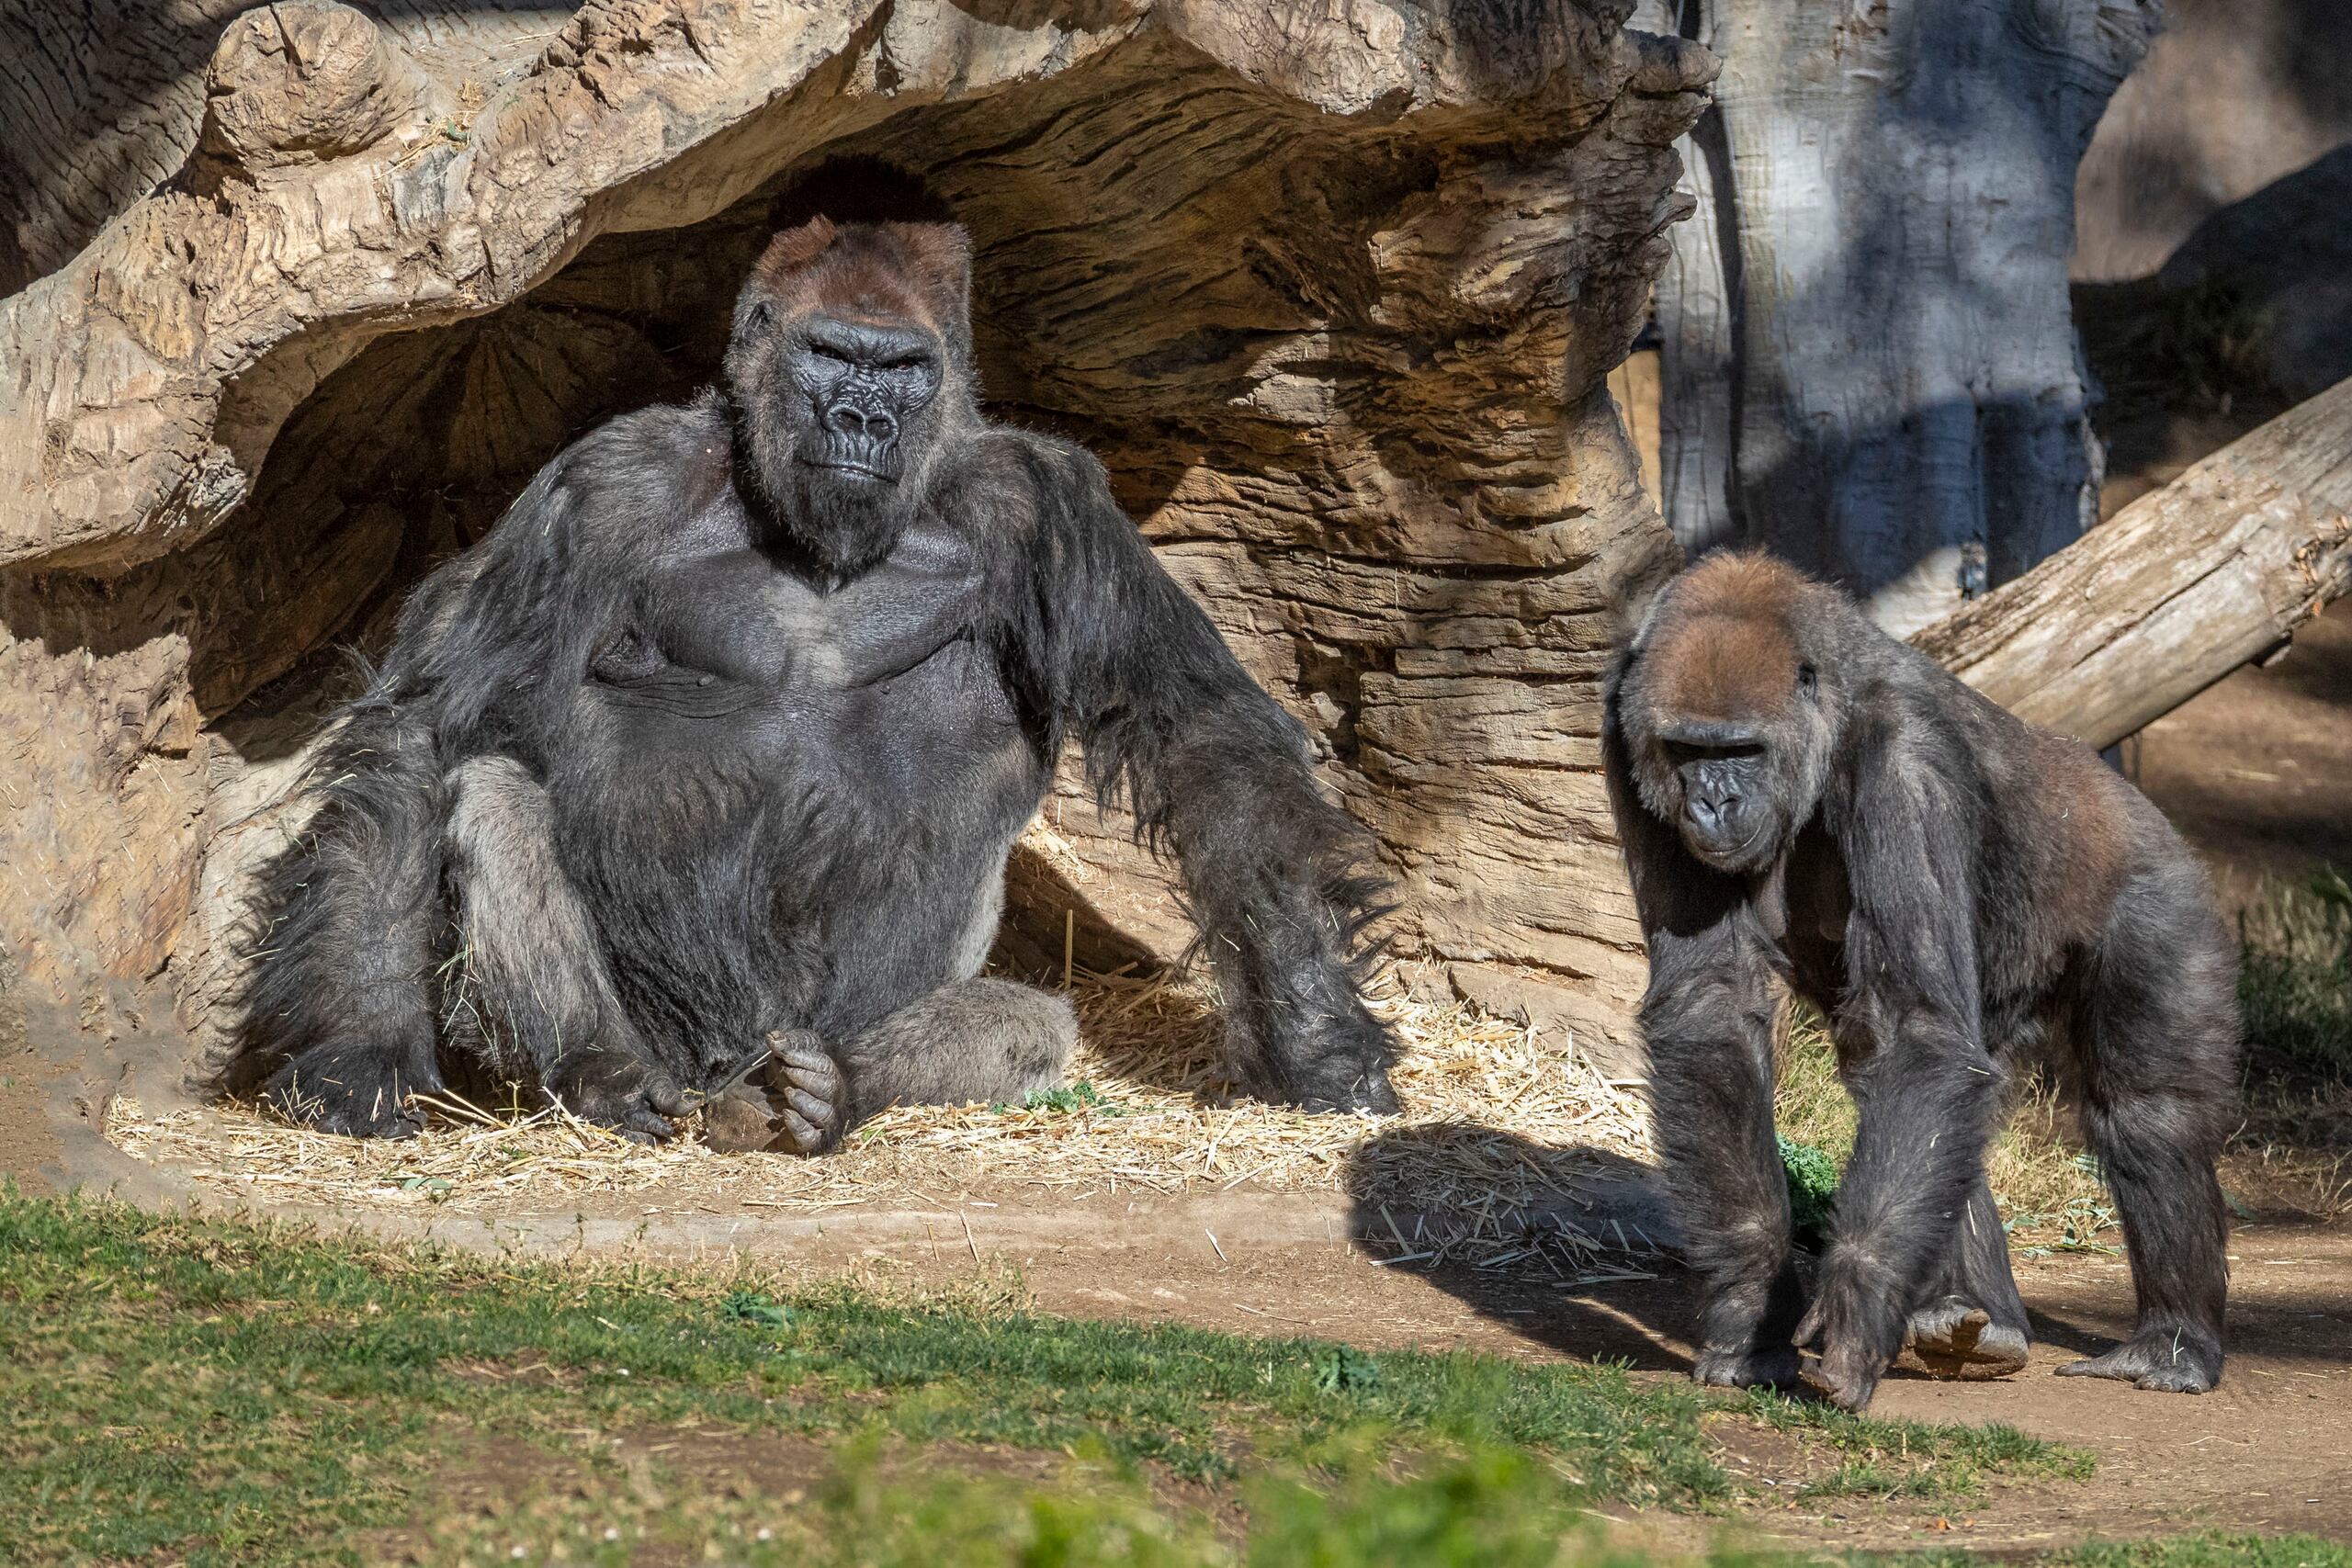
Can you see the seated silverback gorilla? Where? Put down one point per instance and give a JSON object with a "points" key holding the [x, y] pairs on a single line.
{"points": [[713, 751], [1802, 797]]}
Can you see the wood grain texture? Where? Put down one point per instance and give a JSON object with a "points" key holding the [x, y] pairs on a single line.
{"points": [[2177, 590], [1866, 335]]}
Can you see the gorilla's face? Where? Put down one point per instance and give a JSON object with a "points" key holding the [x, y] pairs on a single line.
{"points": [[1735, 790], [861, 387], [1726, 717], [849, 376]]}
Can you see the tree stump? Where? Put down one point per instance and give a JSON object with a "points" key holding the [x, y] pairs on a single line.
{"points": [[1332, 285]]}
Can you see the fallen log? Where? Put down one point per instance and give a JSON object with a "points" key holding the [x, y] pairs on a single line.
{"points": [[2175, 591]]}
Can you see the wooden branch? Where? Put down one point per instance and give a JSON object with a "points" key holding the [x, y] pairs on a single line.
{"points": [[2178, 589]]}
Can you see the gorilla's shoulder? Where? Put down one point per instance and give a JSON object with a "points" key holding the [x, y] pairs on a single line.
{"points": [[1005, 446], [635, 474], [661, 445], [1048, 481]]}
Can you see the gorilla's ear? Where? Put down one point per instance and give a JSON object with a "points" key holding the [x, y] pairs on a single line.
{"points": [[793, 249], [939, 256]]}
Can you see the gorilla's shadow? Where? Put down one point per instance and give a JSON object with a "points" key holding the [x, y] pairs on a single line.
{"points": [[1593, 1215], [1561, 1298]]}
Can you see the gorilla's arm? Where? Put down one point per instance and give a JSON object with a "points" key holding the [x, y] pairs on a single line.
{"points": [[338, 1017], [1925, 1086], [1217, 776], [1707, 1020], [337, 1024]]}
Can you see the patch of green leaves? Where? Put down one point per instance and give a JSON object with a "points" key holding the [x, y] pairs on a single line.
{"points": [[1070, 1100], [1812, 1186]]}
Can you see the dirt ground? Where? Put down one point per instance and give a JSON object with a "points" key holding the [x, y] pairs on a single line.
{"points": [[2257, 772]]}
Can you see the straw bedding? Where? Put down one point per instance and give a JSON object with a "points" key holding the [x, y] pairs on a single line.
{"points": [[1498, 1122]]}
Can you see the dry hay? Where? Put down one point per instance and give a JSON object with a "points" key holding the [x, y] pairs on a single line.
{"points": [[1501, 1126]]}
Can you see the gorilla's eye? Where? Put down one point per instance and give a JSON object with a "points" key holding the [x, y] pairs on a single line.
{"points": [[758, 317], [1806, 679], [1682, 753]]}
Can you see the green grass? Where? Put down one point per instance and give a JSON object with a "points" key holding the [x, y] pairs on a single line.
{"points": [[2213, 1550], [1870, 1457], [2295, 985], [1491, 1509], [189, 1388]]}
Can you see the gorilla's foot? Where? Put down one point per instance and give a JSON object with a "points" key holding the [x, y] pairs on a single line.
{"points": [[808, 1092], [1749, 1369], [2170, 1359], [1955, 1338], [621, 1090], [357, 1091]]}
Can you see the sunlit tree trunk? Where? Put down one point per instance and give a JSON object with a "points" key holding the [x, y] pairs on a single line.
{"points": [[1868, 360]]}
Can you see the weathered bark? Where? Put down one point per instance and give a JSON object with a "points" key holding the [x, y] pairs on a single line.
{"points": [[2173, 591], [1332, 288], [1868, 359], [100, 101]]}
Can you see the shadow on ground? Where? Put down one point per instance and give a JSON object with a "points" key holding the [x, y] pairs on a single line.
{"points": [[1531, 1273]]}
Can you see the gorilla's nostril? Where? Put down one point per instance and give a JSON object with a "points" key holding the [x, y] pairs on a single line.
{"points": [[873, 424]]}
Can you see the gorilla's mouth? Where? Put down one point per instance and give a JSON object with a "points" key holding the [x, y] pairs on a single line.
{"points": [[1725, 854], [863, 470], [860, 458]]}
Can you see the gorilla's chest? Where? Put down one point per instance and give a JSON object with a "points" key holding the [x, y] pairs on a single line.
{"points": [[883, 687]]}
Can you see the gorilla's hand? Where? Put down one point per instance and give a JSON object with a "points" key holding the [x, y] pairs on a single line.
{"points": [[1339, 1062], [1745, 1367], [620, 1090], [353, 1091], [1858, 1326]]}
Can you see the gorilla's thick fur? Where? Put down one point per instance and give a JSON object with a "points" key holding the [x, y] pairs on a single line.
{"points": [[722, 738], [1802, 798]]}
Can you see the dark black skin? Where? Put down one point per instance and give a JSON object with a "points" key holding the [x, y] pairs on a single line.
{"points": [[780, 675], [1806, 804]]}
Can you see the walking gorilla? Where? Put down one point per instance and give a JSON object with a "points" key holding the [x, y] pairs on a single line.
{"points": [[1800, 796], [713, 751]]}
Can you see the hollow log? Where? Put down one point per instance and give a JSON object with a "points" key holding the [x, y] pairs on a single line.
{"points": [[2175, 591], [1332, 285]]}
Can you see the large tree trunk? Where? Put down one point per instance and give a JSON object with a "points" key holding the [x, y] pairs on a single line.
{"points": [[1333, 290], [1868, 360], [2175, 591]]}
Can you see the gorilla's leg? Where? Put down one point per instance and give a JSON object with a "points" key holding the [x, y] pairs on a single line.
{"points": [[530, 966], [977, 1039], [1973, 1325], [338, 1018], [2157, 1041]]}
